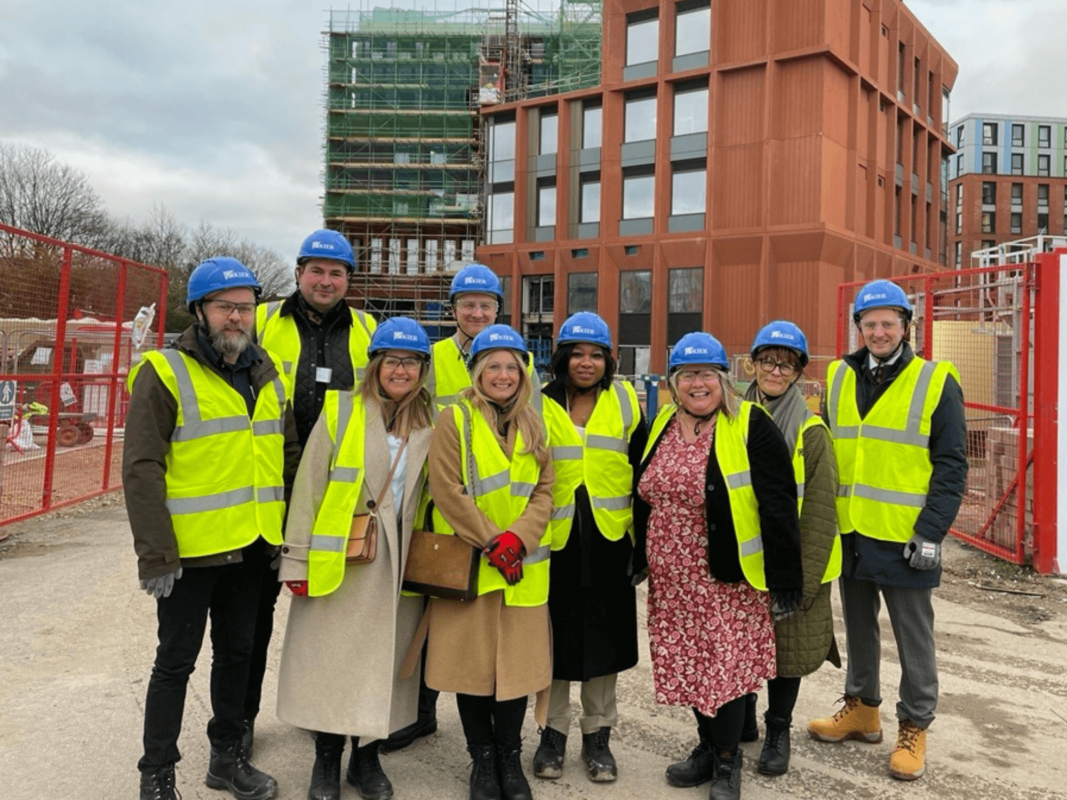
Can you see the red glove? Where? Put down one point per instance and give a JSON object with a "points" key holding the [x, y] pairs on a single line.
{"points": [[298, 588], [512, 574], [505, 550]]}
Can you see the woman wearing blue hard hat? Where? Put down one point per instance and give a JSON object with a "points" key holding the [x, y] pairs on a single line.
{"points": [[339, 664], [598, 435], [804, 639], [491, 483], [717, 479]]}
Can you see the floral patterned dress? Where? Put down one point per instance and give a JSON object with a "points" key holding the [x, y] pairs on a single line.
{"points": [[711, 642]]}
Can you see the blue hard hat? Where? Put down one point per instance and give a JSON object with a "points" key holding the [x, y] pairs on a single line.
{"points": [[585, 326], [476, 278], [495, 337], [881, 294], [698, 348], [400, 333], [327, 244], [217, 274], [781, 334]]}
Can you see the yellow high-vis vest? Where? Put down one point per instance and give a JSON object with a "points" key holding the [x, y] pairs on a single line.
{"points": [[731, 452], [833, 566], [280, 336], [449, 376], [601, 462], [501, 490], [884, 458], [224, 471]]}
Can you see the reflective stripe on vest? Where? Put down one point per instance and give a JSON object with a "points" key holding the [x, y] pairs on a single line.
{"points": [[833, 565], [502, 495], [346, 422], [224, 486], [884, 459], [601, 462], [281, 336]]}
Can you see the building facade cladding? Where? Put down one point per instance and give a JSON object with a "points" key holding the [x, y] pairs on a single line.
{"points": [[1007, 181], [820, 145]]}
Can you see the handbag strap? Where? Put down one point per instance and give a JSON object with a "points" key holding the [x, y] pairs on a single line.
{"points": [[389, 477], [470, 450]]}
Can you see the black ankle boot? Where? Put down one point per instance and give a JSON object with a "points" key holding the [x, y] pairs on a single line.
{"points": [[229, 769], [548, 760], [326, 774], [750, 730], [249, 737], [597, 757], [158, 784], [726, 785], [366, 774], [513, 783], [484, 784], [774, 758], [695, 770], [424, 725]]}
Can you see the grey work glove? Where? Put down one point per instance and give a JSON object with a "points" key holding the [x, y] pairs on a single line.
{"points": [[921, 553], [163, 585]]}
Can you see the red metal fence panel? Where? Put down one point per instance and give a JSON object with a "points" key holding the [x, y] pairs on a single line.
{"points": [[69, 331]]}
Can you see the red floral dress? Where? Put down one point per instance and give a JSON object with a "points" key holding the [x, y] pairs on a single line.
{"points": [[711, 642]]}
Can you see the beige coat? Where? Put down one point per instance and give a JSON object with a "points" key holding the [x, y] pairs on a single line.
{"points": [[482, 646], [342, 652]]}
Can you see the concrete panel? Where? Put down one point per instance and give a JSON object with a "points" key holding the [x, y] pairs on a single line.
{"points": [[545, 234], [589, 159], [635, 227], [692, 145], [588, 230], [636, 71], [545, 163], [690, 61], [685, 222], [634, 154]]}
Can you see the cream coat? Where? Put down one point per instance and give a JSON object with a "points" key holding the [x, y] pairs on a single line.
{"points": [[342, 652]]}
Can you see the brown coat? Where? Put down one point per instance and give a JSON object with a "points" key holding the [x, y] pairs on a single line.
{"points": [[482, 646], [341, 658]]}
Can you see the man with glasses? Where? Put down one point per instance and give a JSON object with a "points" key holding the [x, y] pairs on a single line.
{"points": [[210, 453], [322, 344], [900, 438]]}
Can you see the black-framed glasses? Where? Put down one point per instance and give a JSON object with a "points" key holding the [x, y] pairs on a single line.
{"points": [[768, 365]]}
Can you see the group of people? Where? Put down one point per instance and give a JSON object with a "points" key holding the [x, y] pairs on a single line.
{"points": [[257, 441]]}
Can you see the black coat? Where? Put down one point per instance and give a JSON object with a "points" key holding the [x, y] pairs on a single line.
{"points": [[591, 600]]}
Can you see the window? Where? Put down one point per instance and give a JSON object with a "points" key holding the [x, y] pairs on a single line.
{"points": [[1016, 163], [692, 30], [1044, 135], [1042, 197], [1016, 222], [989, 134], [959, 136], [635, 292], [690, 109], [959, 253], [581, 292], [1018, 138], [959, 165], [1043, 165], [642, 38], [988, 243], [959, 223], [638, 193], [1016, 194], [549, 127], [688, 189], [685, 301], [900, 71], [589, 210], [591, 115], [1042, 224], [540, 293], [640, 122], [546, 203], [989, 193], [501, 216], [959, 195], [502, 152], [989, 163], [989, 222]]}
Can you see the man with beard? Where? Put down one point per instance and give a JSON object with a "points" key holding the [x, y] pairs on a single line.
{"points": [[210, 453]]}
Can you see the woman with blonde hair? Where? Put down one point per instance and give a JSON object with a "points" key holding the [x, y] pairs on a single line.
{"points": [[491, 482], [349, 627]]}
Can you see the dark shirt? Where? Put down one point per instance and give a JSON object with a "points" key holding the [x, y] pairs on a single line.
{"points": [[238, 374]]}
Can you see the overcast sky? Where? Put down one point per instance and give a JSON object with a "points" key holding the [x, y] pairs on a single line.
{"points": [[214, 109]]}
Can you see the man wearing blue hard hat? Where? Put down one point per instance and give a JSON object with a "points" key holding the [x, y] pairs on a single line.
{"points": [[322, 345], [900, 438], [210, 455]]}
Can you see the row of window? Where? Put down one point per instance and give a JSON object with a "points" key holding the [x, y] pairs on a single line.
{"points": [[685, 291], [692, 32], [989, 194], [989, 198], [991, 133], [990, 163]]}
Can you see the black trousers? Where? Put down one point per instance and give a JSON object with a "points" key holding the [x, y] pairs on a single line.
{"points": [[229, 596], [257, 668]]}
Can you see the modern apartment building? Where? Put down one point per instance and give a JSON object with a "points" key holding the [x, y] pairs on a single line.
{"points": [[1008, 181], [739, 160]]}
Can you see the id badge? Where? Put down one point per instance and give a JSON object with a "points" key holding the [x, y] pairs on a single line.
{"points": [[322, 374]]}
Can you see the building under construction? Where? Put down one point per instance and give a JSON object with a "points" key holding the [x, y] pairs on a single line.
{"points": [[404, 147]]}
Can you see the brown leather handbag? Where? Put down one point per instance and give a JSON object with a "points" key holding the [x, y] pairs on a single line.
{"points": [[363, 535]]}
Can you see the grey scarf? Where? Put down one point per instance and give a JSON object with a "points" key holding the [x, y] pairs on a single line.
{"points": [[788, 410]]}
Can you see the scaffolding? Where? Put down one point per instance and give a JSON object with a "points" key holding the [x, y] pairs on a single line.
{"points": [[404, 158]]}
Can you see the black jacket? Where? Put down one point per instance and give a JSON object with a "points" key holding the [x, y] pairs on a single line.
{"points": [[883, 562], [771, 464]]}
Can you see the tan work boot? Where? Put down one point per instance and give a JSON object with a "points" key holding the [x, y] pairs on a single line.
{"points": [[908, 761], [854, 721]]}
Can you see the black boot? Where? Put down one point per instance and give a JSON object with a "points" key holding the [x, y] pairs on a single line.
{"points": [[326, 774], [159, 784], [726, 785], [229, 769], [249, 737], [484, 784], [750, 731], [597, 757], [424, 725], [513, 783], [774, 758], [695, 770], [366, 774], [548, 760]]}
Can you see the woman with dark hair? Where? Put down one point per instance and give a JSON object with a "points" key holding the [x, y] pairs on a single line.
{"points": [[598, 435]]}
